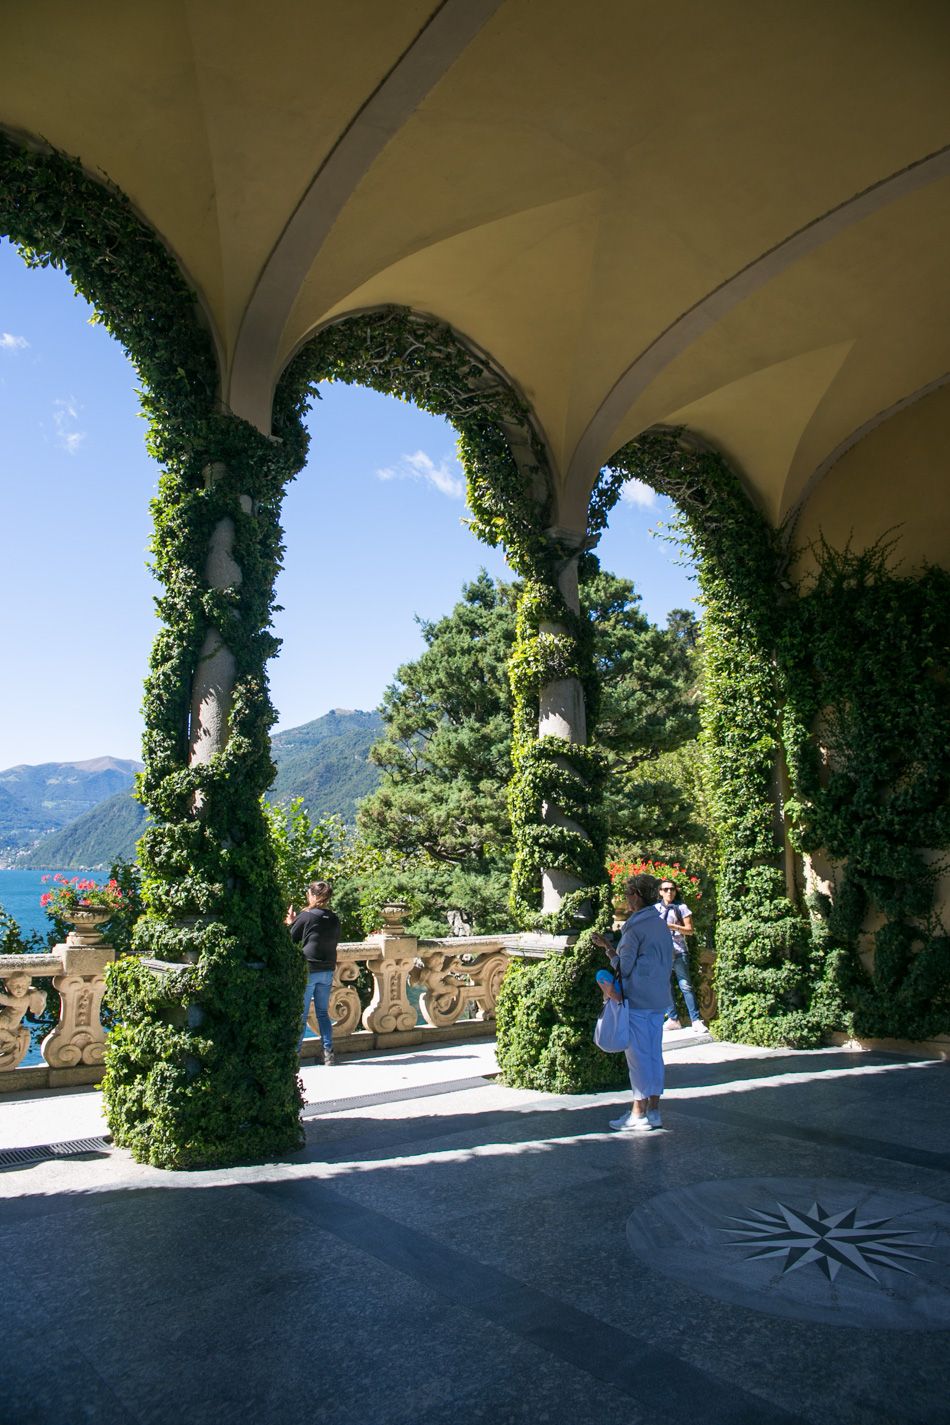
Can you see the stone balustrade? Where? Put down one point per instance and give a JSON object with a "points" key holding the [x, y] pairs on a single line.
{"points": [[458, 978], [75, 1047], [450, 985]]}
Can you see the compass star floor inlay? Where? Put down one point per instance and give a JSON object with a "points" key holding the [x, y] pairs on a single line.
{"points": [[817, 1249]]}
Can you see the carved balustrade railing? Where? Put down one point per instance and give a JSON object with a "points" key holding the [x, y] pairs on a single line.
{"points": [[77, 970], [389, 988], [455, 978], [442, 982]]}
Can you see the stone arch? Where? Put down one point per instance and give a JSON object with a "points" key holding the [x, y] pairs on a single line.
{"points": [[418, 357], [202, 1066], [59, 215], [512, 495], [740, 562]]}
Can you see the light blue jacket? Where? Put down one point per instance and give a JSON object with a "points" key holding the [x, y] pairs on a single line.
{"points": [[645, 954]]}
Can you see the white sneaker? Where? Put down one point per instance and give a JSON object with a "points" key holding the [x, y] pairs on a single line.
{"points": [[698, 1027], [631, 1122], [672, 1024], [653, 1118]]}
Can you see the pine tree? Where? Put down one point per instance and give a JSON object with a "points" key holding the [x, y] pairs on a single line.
{"points": [[440, 813]]}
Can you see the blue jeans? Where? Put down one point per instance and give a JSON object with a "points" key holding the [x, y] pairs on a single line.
{"points": [[681, 971], [319, 985]]}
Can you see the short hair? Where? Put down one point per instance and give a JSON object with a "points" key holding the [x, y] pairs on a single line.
{"points": [[320, 890], [646, 887]]}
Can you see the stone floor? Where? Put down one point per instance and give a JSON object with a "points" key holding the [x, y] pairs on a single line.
{"points": [[448, 1250]]}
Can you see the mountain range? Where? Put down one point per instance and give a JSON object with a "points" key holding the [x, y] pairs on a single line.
{"points": [[35, 800], [81, 815]]}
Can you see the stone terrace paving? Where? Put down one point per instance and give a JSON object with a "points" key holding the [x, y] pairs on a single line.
{"points": [[445, 1249]]}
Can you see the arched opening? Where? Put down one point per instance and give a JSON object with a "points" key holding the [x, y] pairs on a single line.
{"points": [[212, 933], [558, 775], [377, 542]]}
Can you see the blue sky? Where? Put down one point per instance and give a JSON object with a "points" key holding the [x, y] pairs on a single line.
{"points": [[374, 537]]}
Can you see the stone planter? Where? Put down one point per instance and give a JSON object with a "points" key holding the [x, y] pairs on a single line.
{"points": [[394, 917], [86, 922]]}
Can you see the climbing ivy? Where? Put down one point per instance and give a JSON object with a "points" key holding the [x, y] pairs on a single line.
{"points": [[843, 685], [867, 726], [201, 1068], [509, 484], [778, 979]]}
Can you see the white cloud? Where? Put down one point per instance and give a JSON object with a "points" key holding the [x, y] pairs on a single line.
{"points": [[634, 492], [9, 342], [420, 466], [65, 414]]}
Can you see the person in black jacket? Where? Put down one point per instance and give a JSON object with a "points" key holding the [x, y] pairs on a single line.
{"points": [[317, 931]]}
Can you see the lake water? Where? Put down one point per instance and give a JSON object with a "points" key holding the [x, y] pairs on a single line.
{"points": [[20, 893]]}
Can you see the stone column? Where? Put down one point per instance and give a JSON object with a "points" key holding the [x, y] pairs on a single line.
{"points": [[561, 713], [213, 682]]}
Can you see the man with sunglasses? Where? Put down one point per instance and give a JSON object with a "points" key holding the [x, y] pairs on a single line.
{"points": [[679, 921]]}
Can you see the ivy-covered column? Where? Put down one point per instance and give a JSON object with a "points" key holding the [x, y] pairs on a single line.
{"points": [[777, 982], [562, 713], [546, 1008], [202, 1065], [559, 835]]}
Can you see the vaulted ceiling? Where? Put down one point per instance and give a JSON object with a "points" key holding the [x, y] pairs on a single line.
{"points": [[734, 217]]}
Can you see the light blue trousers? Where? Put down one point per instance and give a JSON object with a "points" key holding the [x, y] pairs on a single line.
{"points": [[645, 1052]]}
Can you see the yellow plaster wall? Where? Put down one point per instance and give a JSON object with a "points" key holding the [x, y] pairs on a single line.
{"points": [[638, 162], [897, 478], [211, 115]]}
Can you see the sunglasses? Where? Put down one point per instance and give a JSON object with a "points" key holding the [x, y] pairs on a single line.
{"points": [[667, 888]]}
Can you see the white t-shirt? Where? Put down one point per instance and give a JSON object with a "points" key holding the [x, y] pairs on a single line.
{"points": [[675, 912]]}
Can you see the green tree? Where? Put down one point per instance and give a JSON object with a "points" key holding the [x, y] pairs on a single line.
{"points": [[304, 850], [440, 816], [327, 850], [439, 819], [649, 715], [656, 794]]}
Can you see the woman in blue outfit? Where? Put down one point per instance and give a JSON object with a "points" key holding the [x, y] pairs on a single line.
{"points": [[644, 957], [317, 931]]}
